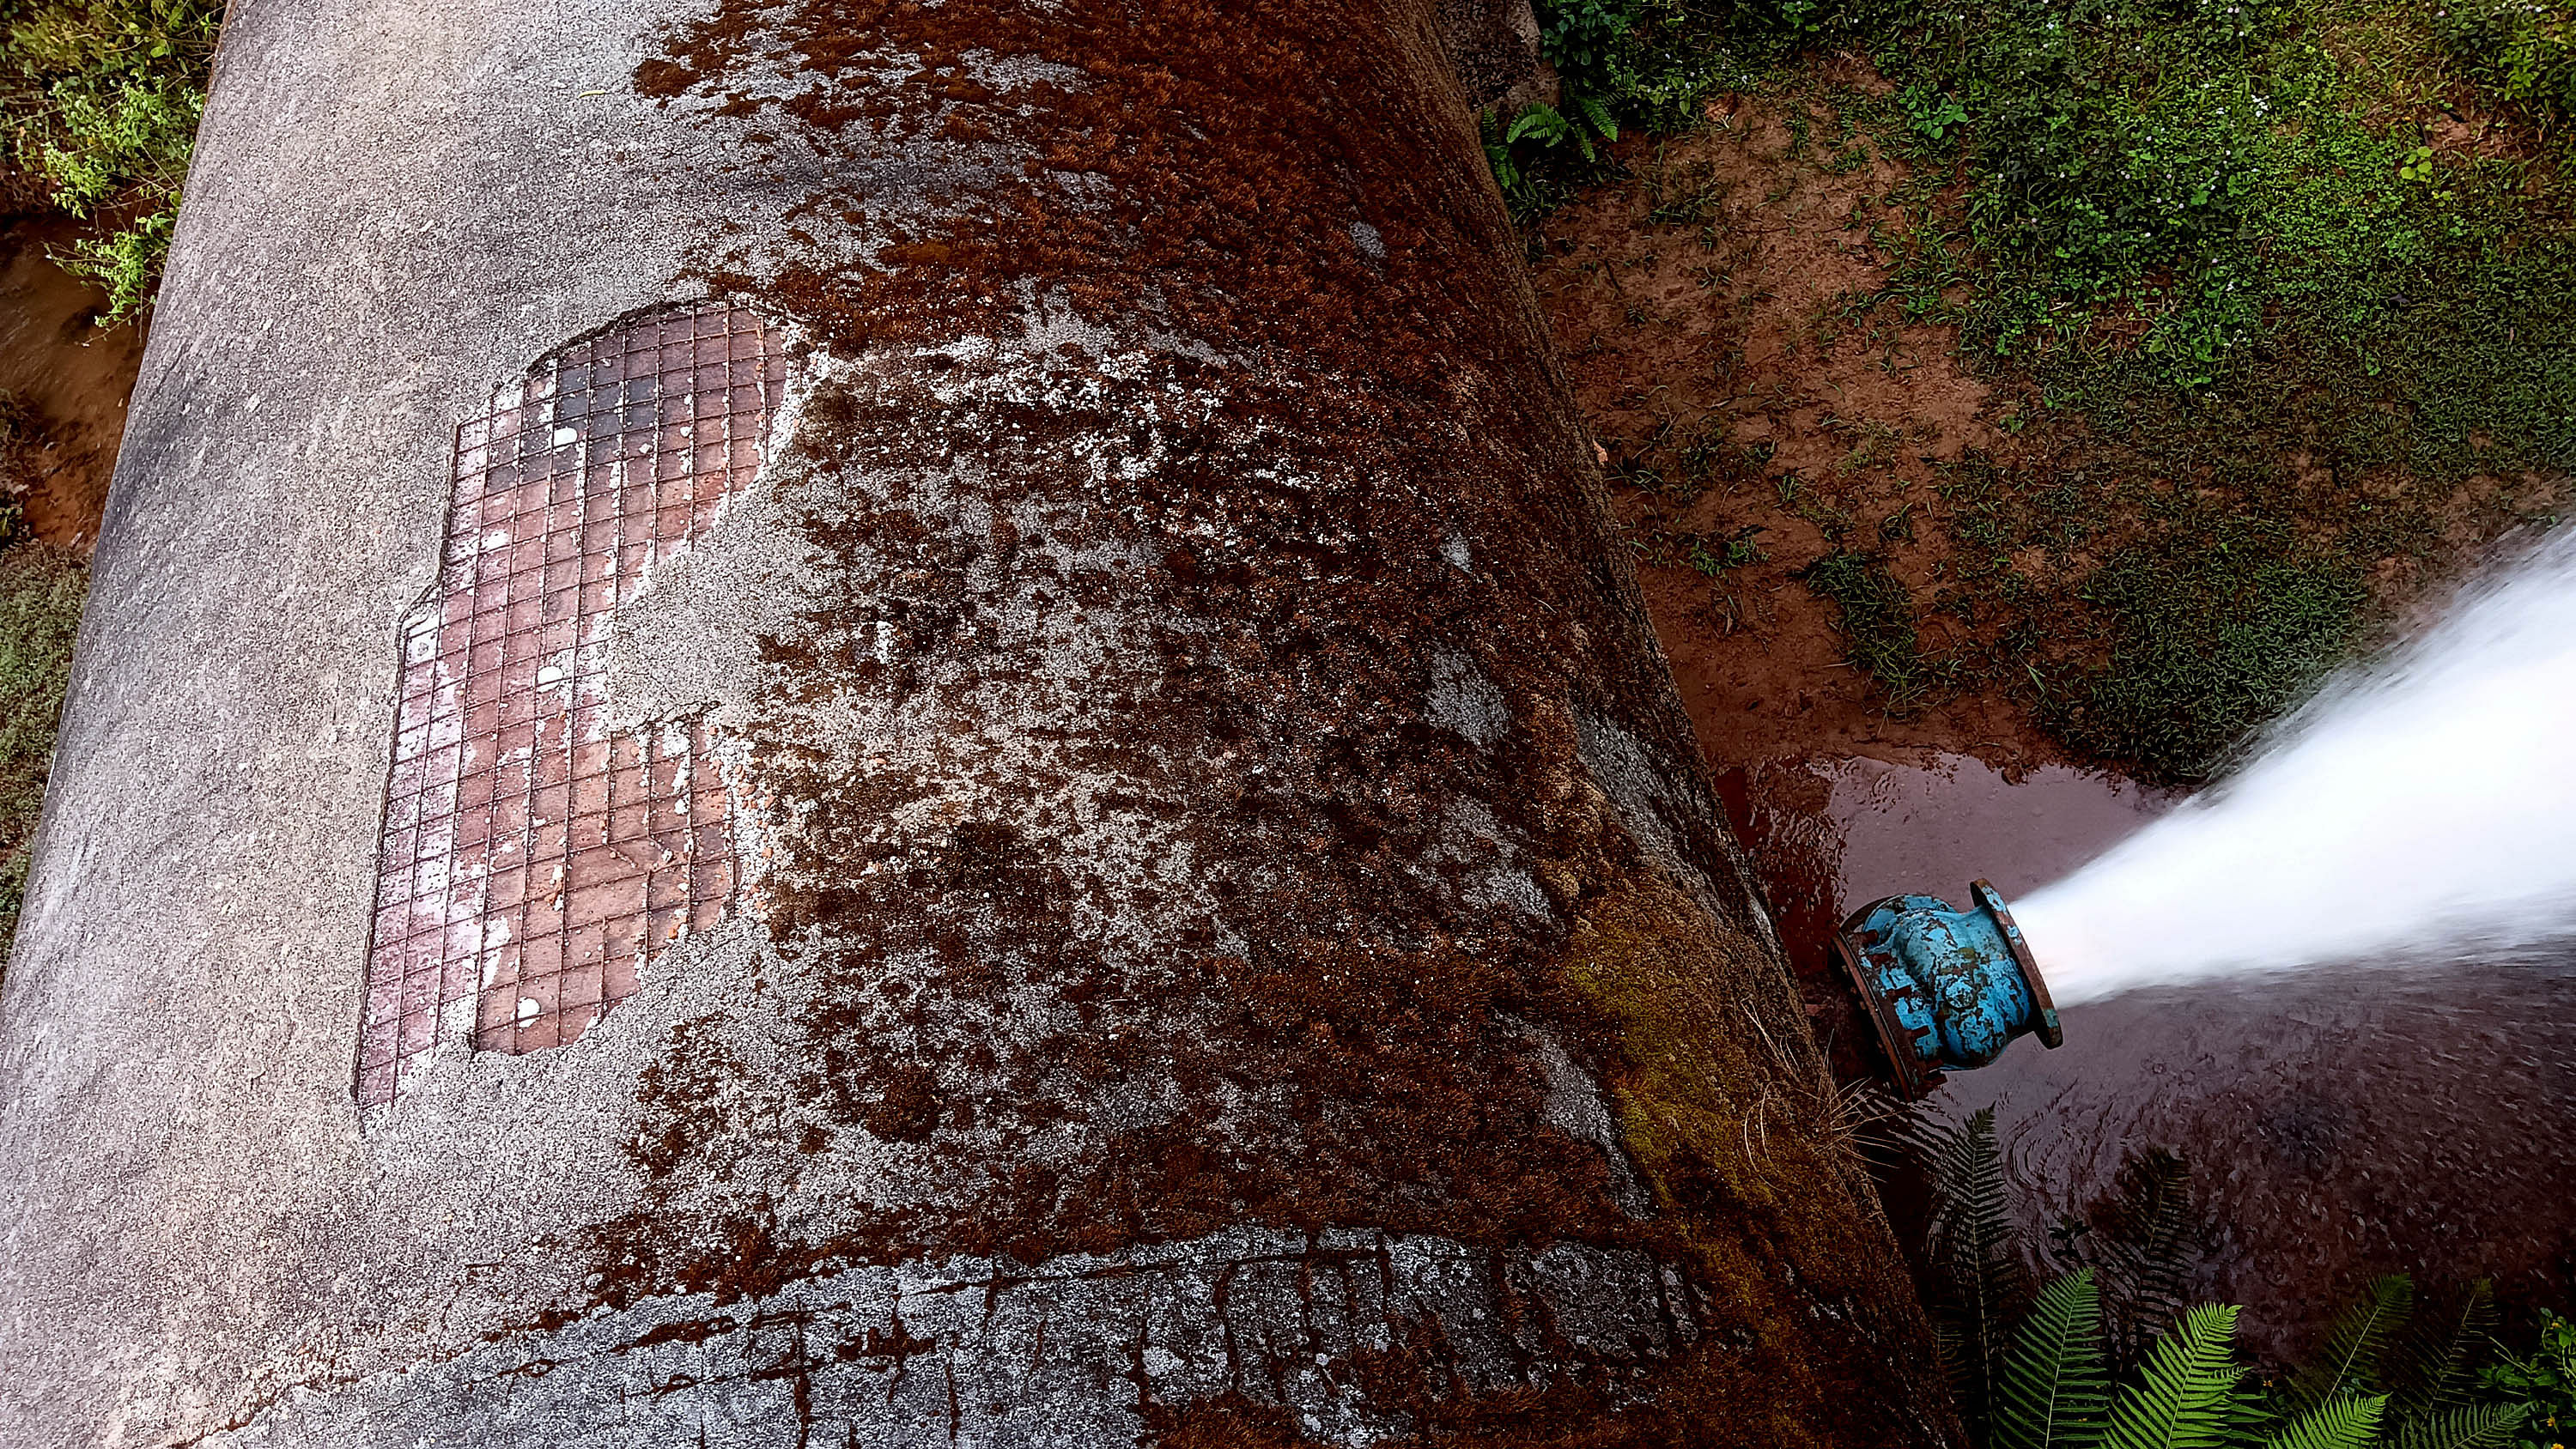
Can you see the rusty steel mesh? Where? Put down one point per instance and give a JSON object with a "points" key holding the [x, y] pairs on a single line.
{"points": [[535, 855]]}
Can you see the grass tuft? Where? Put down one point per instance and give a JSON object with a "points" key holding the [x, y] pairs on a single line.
{"points": [[1878, 625], [41, 592]]}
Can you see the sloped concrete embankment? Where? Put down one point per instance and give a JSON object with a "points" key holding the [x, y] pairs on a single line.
{"points": [[890, 725]]}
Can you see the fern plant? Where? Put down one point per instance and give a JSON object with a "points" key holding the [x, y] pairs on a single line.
{"points": [[2147, 1241], [1543, 139], [1982, 1275], [2046, 1370], [2190, 1392], [2341, 1424], [2478, 1426], [2349, 1364], [2445, 1351], [2186, 1394], [2055, 1391]]}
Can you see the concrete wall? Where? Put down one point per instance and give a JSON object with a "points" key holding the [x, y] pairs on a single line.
{"points": [[1220, 933]]}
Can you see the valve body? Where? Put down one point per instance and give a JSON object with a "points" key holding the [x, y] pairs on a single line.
{"points": [[1947, 989]]}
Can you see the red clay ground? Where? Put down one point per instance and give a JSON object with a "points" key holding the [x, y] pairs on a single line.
{"points": [[1751, 415], [1706, 332]]}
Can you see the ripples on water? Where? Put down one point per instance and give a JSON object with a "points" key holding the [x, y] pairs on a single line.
{"points": [[2339, 1123]]}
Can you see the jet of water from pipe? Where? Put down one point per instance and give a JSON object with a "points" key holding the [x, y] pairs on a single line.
{"points": [[2424, 805]]}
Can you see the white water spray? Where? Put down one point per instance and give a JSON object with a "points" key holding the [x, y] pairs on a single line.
{"points": [[2426, 804]]}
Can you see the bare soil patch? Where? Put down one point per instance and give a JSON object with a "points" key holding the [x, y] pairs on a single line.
{"points": [[1700, 308]]}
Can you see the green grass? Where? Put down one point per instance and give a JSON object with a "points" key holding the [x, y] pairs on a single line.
{"points": [[2240, 201], [100, 100], [1879, 625], [41, 591], [2521, 51], [2218, 239], [2210, 636], [2279, 278]]}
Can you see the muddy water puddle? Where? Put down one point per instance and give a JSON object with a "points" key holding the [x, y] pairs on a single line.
{"points": [[64, 381], [2339, 1124]]}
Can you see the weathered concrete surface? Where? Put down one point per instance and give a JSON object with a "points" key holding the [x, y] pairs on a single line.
{"points": [[1226, 885], [1082, 1350]]}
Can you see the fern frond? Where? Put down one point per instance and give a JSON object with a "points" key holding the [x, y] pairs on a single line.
{"points": [[2440, 1361], [2479, 1426], [1954, 1358], [2054, 1391], [2349, 1364], [1972, 1231], [2185, 1397], [2346, 1423], [2148, 1253], [1976, 1255], [1599, 115]]}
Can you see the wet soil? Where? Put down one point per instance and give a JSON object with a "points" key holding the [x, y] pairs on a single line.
{"points": [[64, 381], [1699, 312]]}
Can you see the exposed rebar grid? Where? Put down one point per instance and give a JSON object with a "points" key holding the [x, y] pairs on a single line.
{"points": [[533, 857]]}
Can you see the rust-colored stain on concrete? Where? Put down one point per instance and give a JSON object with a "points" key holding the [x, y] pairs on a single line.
{"points": [[535, 857]]}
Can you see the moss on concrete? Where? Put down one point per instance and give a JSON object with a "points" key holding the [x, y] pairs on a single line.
{"points": [[1733, 1122]]}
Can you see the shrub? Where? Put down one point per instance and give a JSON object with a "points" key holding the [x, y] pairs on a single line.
{"points": [[101, 100]]}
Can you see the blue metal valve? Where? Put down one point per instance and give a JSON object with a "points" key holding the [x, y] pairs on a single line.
{"points": [[1946, 988]]}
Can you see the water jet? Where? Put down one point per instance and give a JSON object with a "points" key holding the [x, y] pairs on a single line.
{"points": [[1945, 988]]}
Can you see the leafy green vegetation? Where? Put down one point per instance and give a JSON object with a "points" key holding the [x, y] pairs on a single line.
{"points": [[2284, 292], [1540, 154], [101, 100], [2546, 1379], [1645, 64], [2524, 52], [2105, 1353]]}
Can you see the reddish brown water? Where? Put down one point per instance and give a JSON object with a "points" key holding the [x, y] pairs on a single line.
{"points": [[63, 383], [2339, 1125]]}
